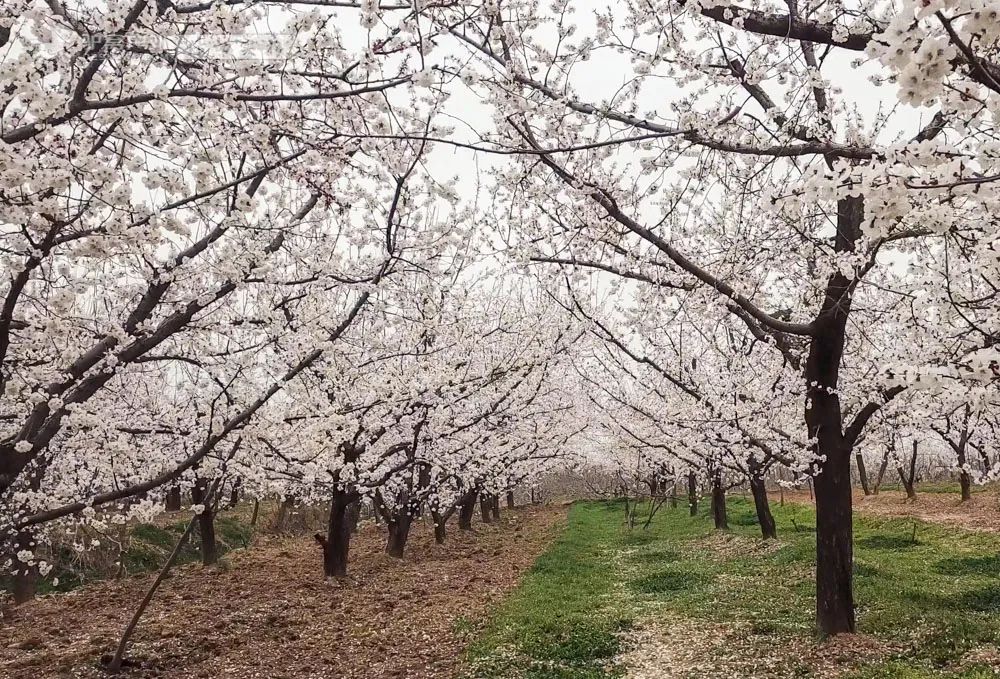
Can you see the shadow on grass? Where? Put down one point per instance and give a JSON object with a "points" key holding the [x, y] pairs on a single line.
{"points": [[984, 599], [864, 570], [639, 537], [667, 581], [658, 556], [885, 542], [744, 519], [988, 565]]}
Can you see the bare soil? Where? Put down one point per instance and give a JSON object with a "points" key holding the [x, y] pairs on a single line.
{"points": [[981, 513], [267, 612]]}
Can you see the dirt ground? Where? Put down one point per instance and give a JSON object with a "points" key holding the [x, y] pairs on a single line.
{"points": [[266, 612], [981, 513]]}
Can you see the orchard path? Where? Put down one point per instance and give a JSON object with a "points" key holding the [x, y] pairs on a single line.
{"points": [[268, 613]]}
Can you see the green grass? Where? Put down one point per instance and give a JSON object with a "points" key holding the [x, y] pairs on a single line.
{"points": [[562, 622], [930, 593], [940, 487]]}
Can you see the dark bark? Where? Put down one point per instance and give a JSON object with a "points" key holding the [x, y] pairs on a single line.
{"points": [[485, 508], [206, 523], [908, 477], [209, 545], [654, 486], [881, 473], [440, 522], [399, 531], [862, 473], [693, 493], [758, 487], [24, 583], [495, 507], [966, 485], [256, 513], [834, 523], [510, 499], [834, 547], [234, 495], [673, 496], [336, 543], [964, 480], [824, 424], [466, 508], [960, 446], [354, 515], [423, 484], [719, 514], [173, 503], [911, 492]]}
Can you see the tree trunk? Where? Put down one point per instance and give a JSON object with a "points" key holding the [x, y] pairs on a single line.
{"points": [[234, 495], [173, 503], [862, 473], [485, 507], [673, 496], [881, 473], [758, 487], [964, 481], [440, 520], [824, 425], [908, 478], [495, 507], [693, 493], [336, 543], [423, 485], [465, 511], [206, 523], [354, 515], [832, 490], [834, 547], [399, 531], [256, 512], [510, 499], [284, 512], [24, 584], [209, 545], [719, 515], [911, 492]]}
